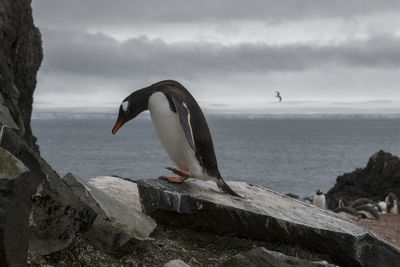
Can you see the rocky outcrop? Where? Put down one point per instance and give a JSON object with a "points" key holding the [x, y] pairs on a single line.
{"points": [[265, 215], [20, 58], [17, 185], [57, 214], [380, 177], [261, 257], [117, 228]]}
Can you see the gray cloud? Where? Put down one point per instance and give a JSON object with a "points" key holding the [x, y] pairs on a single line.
{"points": [[340, 57], [98, 55], [81, 14]]}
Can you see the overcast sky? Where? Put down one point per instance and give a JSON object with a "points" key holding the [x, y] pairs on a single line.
{"points": [[229, 54]]}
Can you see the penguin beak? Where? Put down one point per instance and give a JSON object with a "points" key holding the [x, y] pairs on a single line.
{"points": [[117, 125]]}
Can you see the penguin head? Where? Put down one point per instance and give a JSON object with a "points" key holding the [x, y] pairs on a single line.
{"points": [[132, 106], [319, 192]]}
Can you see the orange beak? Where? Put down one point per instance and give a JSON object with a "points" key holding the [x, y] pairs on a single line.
{"points": [[117, 126]]}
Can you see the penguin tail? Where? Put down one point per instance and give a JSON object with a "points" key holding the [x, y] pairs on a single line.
{"points": [[225, 188]]}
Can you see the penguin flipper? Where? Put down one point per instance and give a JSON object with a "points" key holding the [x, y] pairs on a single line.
{"points": [[184, 119]]}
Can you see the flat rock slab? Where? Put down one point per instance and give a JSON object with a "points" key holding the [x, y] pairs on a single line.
{"points": [[261, 257], [121, 189], [117, 228], [265, 215]]}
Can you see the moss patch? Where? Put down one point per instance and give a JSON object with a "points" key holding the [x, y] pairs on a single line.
{"points": [[8, 164]]}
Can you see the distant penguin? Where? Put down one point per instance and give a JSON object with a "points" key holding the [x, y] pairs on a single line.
{"points": [[369, 211], [342, 202], [319, 200], [348, 212], [392, 204], [181, 127], [365, 201], [383, 206]]}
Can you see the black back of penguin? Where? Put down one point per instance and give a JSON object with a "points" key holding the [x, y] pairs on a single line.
{"points": [[204, 146]]}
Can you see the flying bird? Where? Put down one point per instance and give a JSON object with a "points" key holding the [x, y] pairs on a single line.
{"points": [[278, 95], [181, 127]]}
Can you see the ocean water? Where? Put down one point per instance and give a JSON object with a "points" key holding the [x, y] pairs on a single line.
{"points": [[287, 154]]}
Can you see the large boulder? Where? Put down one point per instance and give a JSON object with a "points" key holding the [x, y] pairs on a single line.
{"points": [[265, 215], [20, 58], [261, 257], [118, 228], [380, 177], [57, 213]]}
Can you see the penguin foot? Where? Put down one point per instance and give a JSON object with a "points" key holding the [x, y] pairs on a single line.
{"points": [[179, 172], [173, 179]]}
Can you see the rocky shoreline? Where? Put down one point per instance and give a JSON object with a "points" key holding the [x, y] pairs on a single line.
{"points": [[109, 221]]}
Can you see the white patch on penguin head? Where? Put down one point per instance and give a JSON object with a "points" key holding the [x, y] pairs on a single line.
{"points": [[125, 105]]}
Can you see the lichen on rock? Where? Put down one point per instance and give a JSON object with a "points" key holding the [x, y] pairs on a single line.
{"points": [[10, 166]]}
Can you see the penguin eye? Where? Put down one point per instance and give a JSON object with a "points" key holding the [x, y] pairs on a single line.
{"points": [[125, 105]]}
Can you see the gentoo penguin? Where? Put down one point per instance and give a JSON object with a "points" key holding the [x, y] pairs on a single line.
{"points": [[181, 127], [365, 201], [383, 206], [348, 212], [342, 202], [392, 204], [319, 200], [369, 211]]}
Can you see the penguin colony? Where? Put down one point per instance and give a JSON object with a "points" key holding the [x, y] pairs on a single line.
{"points": [[360, 208], [181, 127]]}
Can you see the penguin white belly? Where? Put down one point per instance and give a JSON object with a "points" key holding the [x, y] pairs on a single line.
{"points": [[171, 134], [319, 201], [395, 209]]}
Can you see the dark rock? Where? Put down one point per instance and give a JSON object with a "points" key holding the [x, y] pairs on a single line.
{"points": [[17, 186], [261, 257], [265, 215], [57, 213], [20, 58], [380, 177], [117, 229]]}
